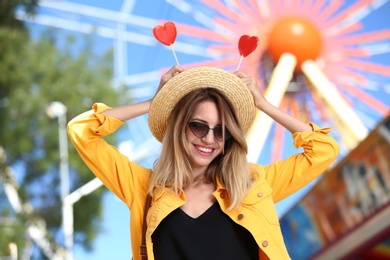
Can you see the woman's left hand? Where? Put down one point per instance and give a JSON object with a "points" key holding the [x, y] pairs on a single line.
{"points": [[251, 83]]}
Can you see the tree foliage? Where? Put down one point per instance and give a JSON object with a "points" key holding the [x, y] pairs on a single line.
{"points": [[33, 74], [8, 9]]}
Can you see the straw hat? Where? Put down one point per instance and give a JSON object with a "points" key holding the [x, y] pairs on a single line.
{"points": [[201, 77]]}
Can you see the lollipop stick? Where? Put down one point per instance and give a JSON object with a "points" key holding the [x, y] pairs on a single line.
{"points": [[174, 54], [239, 64]]}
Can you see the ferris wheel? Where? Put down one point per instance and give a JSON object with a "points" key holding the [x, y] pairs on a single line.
{"points": [[315, 60], [322, 61]]}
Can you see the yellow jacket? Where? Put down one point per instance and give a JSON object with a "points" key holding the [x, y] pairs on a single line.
{"points": [[128, 181]]}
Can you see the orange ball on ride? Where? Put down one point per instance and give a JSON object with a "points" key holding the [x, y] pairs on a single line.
{"points": [[296, 36]]}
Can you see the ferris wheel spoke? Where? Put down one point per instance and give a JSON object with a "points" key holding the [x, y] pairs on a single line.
{"points": [[362, 38], [127, 7], [244, 8], [355, 13], [202, 33], [86, 28], [306, 6], [228, 25], [317, 6], [263, 7], [340, 72], [189, 9], [328, 11], [329, 93], [368, 66], [320, 110], [378, 49], [372, 102], [96, 12], [219, 63], [337, 32], [225, 11]]}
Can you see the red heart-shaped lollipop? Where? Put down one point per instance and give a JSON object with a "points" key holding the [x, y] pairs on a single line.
{"points": [[165, 34], [247, 44]]}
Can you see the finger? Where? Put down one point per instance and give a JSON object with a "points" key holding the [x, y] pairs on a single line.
{"points": [[240, 74], [171, 70], [175, 69]]}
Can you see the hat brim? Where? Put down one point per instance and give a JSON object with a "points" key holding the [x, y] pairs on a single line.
{"points": [[176, 88]]}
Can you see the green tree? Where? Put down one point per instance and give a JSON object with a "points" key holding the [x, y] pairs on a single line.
{"points": [[12, 229], [33, 74], [7, 12]]}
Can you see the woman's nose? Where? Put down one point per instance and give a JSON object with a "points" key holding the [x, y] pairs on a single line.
{"points": [[209, 138]]}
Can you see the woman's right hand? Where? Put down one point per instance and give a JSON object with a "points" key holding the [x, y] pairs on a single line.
{"points": [[173, 71]]}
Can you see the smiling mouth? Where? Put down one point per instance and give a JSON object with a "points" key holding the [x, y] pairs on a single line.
{"points": [[205, 150]]}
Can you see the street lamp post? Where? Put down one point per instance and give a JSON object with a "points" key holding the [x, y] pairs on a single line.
{"points": [[58, 110]]}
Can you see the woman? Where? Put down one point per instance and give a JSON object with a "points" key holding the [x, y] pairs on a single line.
{"points": [[208, 201]]}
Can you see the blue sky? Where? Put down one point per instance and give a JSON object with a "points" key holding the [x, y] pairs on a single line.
{"points": [[149, 57]]}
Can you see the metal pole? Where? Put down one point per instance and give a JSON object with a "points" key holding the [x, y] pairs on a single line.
{"points": [[67, 210], [57, 109]]}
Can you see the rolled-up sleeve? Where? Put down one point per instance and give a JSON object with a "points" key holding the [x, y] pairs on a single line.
{"points": [[289, 175], [117, 173]]}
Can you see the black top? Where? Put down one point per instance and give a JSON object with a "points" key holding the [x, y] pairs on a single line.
{"points": [[213, 235]]}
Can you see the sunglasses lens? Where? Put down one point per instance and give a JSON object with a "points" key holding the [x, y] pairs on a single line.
{"points": [[218, 133], [198, 129]]}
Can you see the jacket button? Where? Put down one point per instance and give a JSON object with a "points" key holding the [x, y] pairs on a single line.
{"points": [[265, 243], [240, 216], [222, 195], [259, 194]]}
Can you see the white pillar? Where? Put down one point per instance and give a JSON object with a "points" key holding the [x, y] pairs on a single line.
{"points": [[281, 77], [328, 91]]}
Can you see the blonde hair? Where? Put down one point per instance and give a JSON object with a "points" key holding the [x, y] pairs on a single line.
{"points": [[173, 168]]}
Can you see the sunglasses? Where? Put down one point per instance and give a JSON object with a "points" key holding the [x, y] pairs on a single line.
{"points": [[200, 130]]}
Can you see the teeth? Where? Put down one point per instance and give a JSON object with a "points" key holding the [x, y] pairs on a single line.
{"points": [[206, 150]]}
